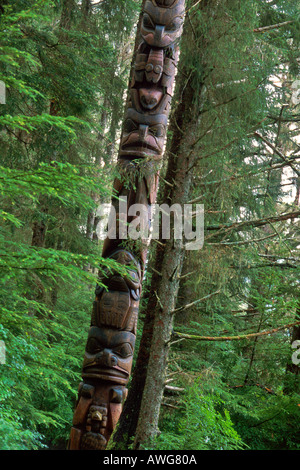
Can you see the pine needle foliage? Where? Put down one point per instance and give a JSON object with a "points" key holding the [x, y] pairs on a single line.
{"points": [[58, 63]]}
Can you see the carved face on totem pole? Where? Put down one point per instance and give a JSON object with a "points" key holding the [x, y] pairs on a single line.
{"points": [[153, 82], [108, 355], [155, 66], [111, 338], [131, 281], [144, 129], [164, 3], [162, 22], [143, 135]]}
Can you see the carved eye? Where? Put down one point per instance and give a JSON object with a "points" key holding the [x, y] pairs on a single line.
{"points": [[93, 346], [158, 131], [133, 276], [130, 126], [124, 350], [174, 25], [147, 22]]}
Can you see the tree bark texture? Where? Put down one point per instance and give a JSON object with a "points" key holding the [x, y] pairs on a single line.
{"points": [[111, 339]]}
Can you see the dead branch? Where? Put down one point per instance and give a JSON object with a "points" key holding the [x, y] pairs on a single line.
{"points": [[254, 223], [277, 151], [245, 242], [180, 309], [272, 26], [172, 389], [237, 337]]}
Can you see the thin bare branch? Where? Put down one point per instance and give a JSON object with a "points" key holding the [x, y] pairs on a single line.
{"points": [[245, 242], [277, 151], [255, 223], [272, 26], [180, 309]]}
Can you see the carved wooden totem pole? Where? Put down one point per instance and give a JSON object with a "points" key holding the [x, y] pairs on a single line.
{"points": [[111, 338]]}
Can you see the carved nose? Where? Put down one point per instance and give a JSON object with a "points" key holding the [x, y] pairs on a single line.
{"points": [[148, 101], [110, 359], [150, 97], [113, 360], [143, 131], [159, 32], [106, 358]]}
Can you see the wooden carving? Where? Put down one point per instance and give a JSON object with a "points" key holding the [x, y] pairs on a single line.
{"points": [[110, 345]]}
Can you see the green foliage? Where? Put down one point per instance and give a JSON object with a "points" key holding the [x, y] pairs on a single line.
{"points": [[203, 423], [246, 275], [65, 68], [264, 420], [42, 364], [58, 62]]}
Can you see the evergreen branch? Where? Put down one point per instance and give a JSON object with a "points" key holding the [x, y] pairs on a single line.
{"points": [[262, 169], [266, 420], [169, 406], [237, 337], [233, 98], [212, 153], [278, 257], [267, 389], [193, 6]]}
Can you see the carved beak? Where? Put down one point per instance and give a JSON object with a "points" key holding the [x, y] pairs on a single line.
{"points": [[159, 33], [143, 131]]}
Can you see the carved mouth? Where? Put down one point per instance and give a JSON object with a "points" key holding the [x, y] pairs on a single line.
{"points": [[140, 146], [165, 3], [161, 42], [149, 103], [108, 372]]}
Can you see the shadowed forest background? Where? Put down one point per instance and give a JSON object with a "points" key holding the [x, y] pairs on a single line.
{"points": [[235, 114]]}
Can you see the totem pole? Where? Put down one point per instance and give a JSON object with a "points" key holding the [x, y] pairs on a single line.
{"points": [[111, 338]]}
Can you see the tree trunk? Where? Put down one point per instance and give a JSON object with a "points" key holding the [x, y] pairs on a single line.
{"points": [[39, 229], [170, 266]]}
